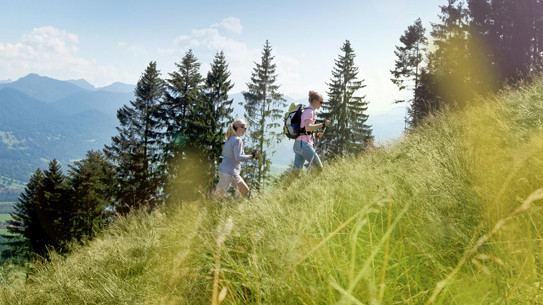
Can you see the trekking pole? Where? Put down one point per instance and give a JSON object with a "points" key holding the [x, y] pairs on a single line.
{"points": [[318, 142], [323, 131]]}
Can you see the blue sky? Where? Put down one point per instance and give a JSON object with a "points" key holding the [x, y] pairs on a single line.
{"points": [[108, 41]]}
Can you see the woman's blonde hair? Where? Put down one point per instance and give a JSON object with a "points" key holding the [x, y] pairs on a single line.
{"points": [[313, 95], [237, 123]]}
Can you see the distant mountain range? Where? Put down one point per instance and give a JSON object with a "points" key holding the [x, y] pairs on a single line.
{"points": [[115, 87], [42, 118]]}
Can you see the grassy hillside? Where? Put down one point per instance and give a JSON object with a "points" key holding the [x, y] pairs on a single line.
{"points": [[451, 215]]}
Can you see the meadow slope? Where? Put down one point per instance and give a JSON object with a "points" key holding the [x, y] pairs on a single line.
{"points": [[449, 215]]}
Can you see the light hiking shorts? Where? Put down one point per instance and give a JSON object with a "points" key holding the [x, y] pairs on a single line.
{"points": [[305, 152], [225, 180]]}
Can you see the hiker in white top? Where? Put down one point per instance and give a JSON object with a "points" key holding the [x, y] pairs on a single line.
{"points": [[233, 155]]}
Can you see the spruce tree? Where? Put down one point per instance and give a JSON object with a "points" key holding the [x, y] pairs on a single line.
{"points": [[220, 108], [55, 212], [511, 30], [92, 192], [136, 150], [449, 63], [514, 24], [182, 113], [480, 13], [25, 233], [45, 217], [536, 49], [426, 101], [264, 107], [408, 67], [349, 133], [209, 115], [184, 88]]}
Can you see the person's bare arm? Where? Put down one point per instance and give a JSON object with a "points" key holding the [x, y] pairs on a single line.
{"points": [[311, 127]]}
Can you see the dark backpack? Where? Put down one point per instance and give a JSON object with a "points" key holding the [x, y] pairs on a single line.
{"points": [[292, 121]]}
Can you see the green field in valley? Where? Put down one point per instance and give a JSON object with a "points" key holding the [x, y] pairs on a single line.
{"points": [[8, 182], [4, 217]]}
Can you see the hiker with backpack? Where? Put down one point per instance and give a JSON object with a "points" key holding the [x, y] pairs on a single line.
{"points": [[304, 148], [233, 154]]}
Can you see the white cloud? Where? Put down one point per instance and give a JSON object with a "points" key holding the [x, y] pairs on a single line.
{"points": [[54, 52], [241, 58], [50, 40], [296, 74], [40, 42], [231, 24], [179, 39]]}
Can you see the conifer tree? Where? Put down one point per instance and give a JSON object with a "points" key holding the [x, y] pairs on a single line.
{"points": [[426, 101], [349, 133], [209, 114], [536, 49], [92, 192], [184, 88], [136, 150], [449, 62], [181, 114], [55, 212], [408, 67], [217, 86], [480, 12], [264, 106], [25, 234], [511, 30]]}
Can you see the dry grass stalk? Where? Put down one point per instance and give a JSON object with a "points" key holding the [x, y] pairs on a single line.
{"points": [[223, 231], [322, 242], [365, 269], [535, 196], [385, 261]]}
